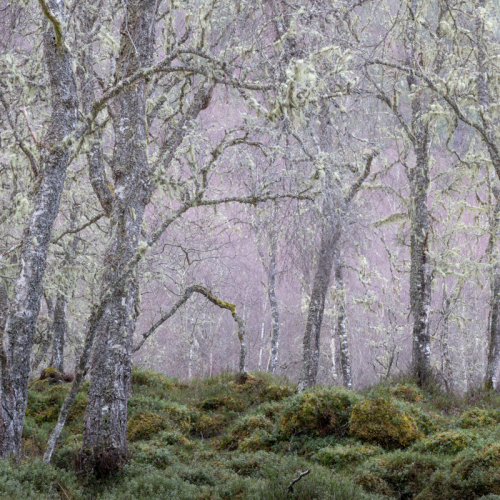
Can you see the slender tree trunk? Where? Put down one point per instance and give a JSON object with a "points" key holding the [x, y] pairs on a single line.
{"points": [[275, 317], [445, 346], [60, 327], [105, 422], [420, 285], [25, 307], [345, 360], [492, 365], [311, 342]]}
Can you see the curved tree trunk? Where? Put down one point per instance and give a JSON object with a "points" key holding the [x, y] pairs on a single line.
{"points": [[23, 313]]}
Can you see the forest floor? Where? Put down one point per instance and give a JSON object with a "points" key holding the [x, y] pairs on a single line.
{"points": [[213, 438]]}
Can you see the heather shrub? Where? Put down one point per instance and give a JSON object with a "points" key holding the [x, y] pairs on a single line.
{"points": [[342, 455], [318, 413], [381, 422]]}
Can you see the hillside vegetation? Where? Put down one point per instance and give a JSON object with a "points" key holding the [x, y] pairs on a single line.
{"points": [[216, 439]]}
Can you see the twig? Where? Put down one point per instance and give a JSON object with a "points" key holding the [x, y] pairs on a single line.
{"points": [[297, 479], [28, 123]]}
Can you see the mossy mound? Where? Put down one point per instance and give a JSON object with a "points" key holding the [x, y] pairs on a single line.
{"points": [[446, 443], [479, 418], [474, 474], [276, 393], [258, 440], [318, 413], [381, 422], [222, 402], [340, 456], [144, 425], [405, 473], [407, 393], [150, 378], [208, 426], [243, 429], [45, 406]]}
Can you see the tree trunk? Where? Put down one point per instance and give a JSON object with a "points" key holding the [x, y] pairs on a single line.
{"points": [[105, 422], [275, 317], [420, 285], [311, 342], [23, 313], [345, 360], [490, 381], [59, 330], [445, 347]]}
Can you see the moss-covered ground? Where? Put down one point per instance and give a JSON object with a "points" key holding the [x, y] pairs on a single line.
{"points": [[213, 439]]}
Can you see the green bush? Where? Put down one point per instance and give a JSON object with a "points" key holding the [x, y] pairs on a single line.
{"points": [[479, 418], [473, 474], [381, 422], [447, 443], [34, 480], [243, 429], [405, 473], [340, 456], [407, 393], [158, 456], [318, 413], [144, 425], [219, 402]]}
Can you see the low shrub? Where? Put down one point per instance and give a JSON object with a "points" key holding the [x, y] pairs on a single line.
{"points": [[150, 378], [381, 422], [209, 425], [276, 393], [318, 413], [219, 402], [407, 393], [479, 418], [405, 473], [158, 456], [339, 456], [258, 440], [144, 425], [447, 443], [243, 429], [473, 474]]}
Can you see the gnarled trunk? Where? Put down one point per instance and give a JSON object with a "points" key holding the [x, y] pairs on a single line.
{"points": [[105, 423], [23, 313]]}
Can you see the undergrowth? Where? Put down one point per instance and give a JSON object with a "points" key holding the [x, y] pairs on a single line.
{"points": [[213, 439]]}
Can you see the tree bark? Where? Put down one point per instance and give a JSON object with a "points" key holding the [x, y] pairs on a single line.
{"points": [[275, 316], [345, 360], [23, 313], [491, 378], [329, 236], [60, 327], [420, 285], [105, 423]]}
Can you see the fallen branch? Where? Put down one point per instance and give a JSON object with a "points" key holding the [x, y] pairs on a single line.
{"points": [[297, 479]]}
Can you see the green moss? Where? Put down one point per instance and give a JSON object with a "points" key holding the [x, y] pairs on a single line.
{"points": [[318, 413], [379, 421], [144, 425]]}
